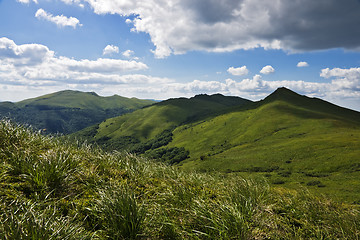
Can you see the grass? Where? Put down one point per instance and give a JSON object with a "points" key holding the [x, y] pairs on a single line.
{"points": [[101, 195], [148, 122], [286, 147], [287, 138]]}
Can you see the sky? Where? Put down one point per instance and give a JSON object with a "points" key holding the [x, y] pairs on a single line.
{"points": [[160, 49]]}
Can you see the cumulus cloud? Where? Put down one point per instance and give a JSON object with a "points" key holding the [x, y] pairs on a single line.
{"points": [[110, 49], [211, 25], [35, 65], [267, 70], [60, 21], [254, 88], [302, 64], [240, 71], [343, 78], [26, 54], [34, 69]]}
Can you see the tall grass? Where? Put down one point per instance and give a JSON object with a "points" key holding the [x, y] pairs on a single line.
{"points": [[57, 189], [119, 213], [28, 220]]}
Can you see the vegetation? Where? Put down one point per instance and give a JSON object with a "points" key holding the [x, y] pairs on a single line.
{"points": [[147, 123], [287, 138], [57, 189], [69, 111]]}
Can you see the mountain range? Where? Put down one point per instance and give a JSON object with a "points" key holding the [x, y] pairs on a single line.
{"points": [[68, 111], [290, 139]]}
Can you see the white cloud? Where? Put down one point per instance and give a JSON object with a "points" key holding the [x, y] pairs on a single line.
{"points": [[26, 54], [302, 64], [71, 1], [178, 26], [343, 78], [60, 21], [110, 49], [128, 53], [27, 1], [36, 65], [256, 88], [267, 70], [30, 70], [240, 71]]}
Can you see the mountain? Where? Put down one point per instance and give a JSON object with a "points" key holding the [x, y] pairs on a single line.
{"points": [[147, 123], [69, 111], [288, 138]]}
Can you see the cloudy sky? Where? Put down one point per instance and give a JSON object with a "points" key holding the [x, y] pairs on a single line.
{"points": [[157, 49]]}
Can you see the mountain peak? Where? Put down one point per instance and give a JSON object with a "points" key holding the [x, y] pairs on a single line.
{"points": [[283, 93]]}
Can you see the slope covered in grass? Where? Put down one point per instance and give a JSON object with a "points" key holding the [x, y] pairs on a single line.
{"points": [[69, 111], [146, 123], [84, 100], [288, 138], [53, 189]]}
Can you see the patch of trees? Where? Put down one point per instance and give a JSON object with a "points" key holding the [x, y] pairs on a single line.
{"points": [[168, 155], [160, 140]]}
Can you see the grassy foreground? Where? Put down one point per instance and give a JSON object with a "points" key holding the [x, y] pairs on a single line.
{"points": [[53, 189]]}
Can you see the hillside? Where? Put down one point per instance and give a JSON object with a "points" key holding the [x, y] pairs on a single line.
{"points": [[288, 138], [52, 188], [68, 111], [146, 123]]}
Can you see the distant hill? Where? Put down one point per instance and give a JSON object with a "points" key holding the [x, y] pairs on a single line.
{"points": [[288, 138], [68, 111]]}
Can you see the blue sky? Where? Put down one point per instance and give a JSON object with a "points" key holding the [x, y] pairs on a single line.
{"points": [[159, 49]]}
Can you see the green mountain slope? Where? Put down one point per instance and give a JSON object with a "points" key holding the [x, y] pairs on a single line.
{"points": [[69, 111], [288, 138], [148, 122]]}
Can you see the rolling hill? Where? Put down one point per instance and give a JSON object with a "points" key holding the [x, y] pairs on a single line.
{"points": [[290, 139], [147, 123], [69, 111]]}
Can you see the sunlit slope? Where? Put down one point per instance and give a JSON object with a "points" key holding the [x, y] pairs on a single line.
{"points": [[69, 111], [282, 138], [148, 122], [84, 100]]}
